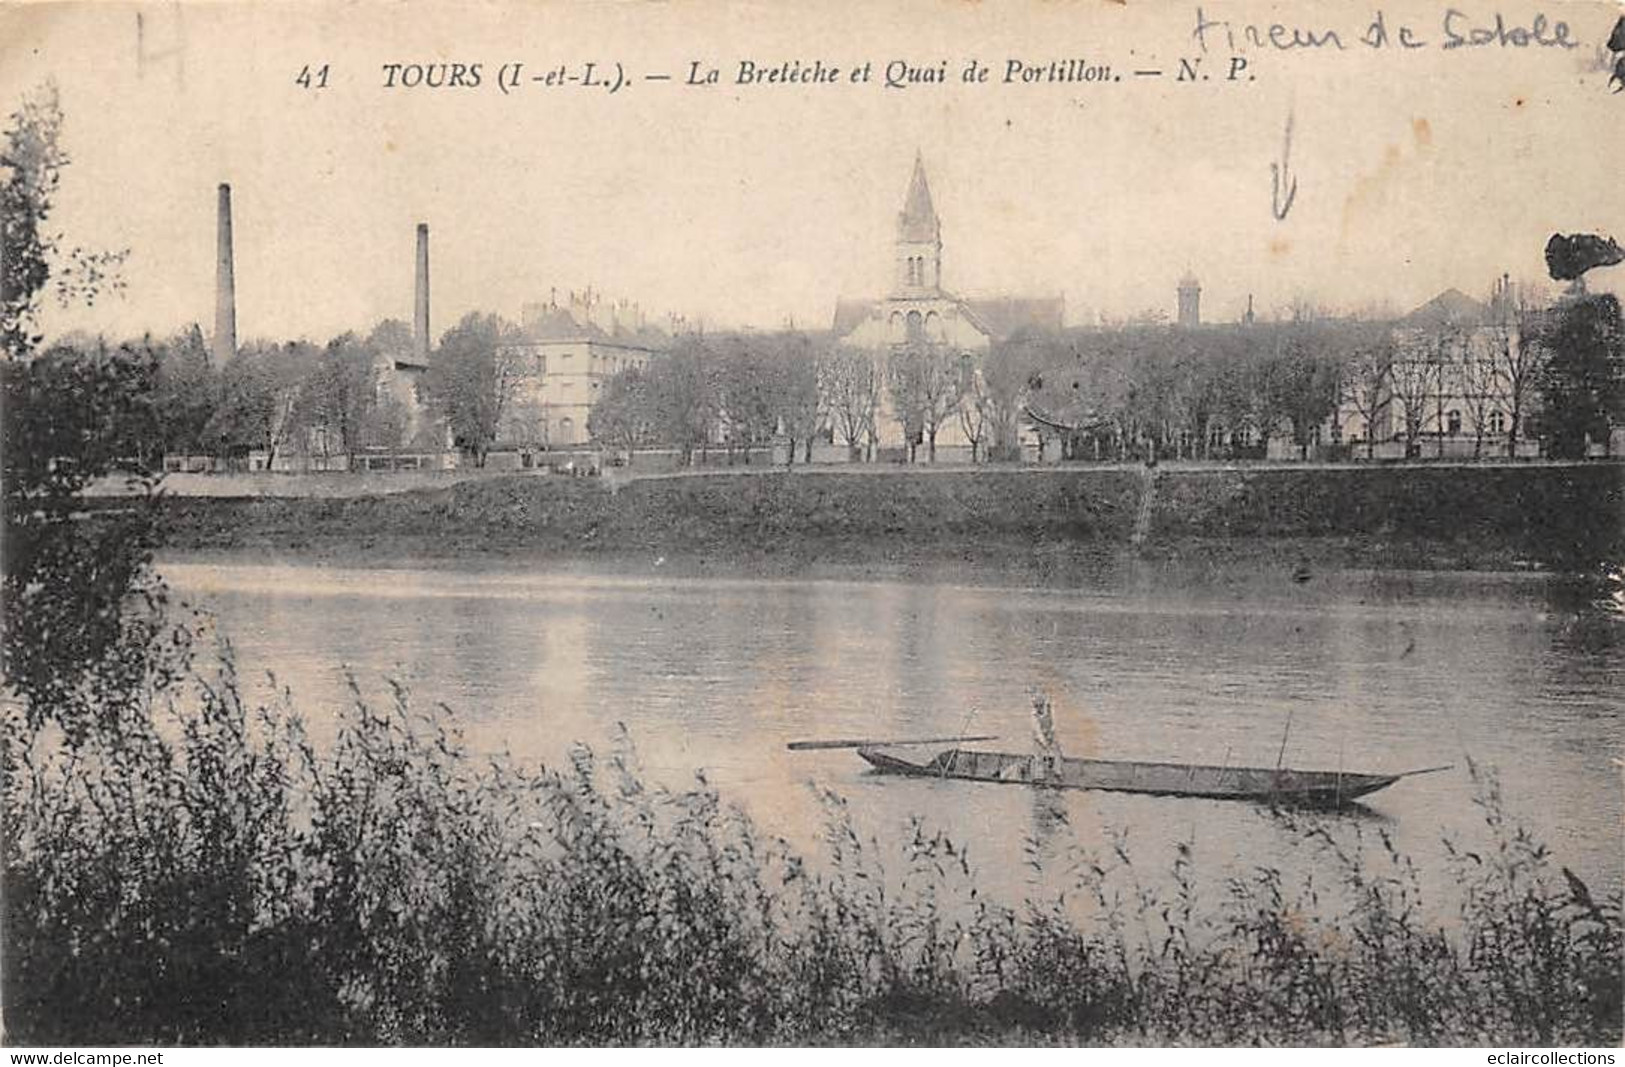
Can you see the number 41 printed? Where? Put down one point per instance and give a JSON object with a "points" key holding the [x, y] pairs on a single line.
{"points": [[312, 79]]}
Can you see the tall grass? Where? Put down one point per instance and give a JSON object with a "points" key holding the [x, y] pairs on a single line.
{"points": [[204, 873]]}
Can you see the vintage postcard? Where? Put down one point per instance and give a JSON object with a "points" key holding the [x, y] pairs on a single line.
{"points": [[890, 523]]}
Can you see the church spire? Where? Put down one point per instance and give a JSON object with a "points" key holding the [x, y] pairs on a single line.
{"points": [[919, 219], [919, 239]]}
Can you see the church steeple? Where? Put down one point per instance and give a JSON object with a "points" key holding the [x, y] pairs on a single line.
{"points": [[919, 238]]}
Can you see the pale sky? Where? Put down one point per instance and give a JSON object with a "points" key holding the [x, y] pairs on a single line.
{"points": [[1416, 170]]}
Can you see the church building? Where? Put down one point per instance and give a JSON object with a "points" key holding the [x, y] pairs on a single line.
{"points": [[919, 309]]}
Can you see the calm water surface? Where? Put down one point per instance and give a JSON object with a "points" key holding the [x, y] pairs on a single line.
{"points": [[1376, 673]]}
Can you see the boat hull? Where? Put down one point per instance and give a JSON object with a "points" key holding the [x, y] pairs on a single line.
{"points": [[1283, 786]]}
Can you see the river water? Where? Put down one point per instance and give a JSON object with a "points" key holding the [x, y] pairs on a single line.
{"points": [[1521, 674]]}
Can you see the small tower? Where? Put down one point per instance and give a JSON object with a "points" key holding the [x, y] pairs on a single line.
{"points": [[1248, 319], [1190, 301], [919, 239]]}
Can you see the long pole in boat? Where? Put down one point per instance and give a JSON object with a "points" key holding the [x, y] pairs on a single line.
{"points": [[1275, 784], [1342, 737], [1281, 755], [804, 746]]}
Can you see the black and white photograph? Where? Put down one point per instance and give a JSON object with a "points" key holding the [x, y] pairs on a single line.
{"points": [[913, 523]]}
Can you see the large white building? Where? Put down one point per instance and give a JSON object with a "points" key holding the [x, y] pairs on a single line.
{"points": [[567, 354], [1447, 392]]}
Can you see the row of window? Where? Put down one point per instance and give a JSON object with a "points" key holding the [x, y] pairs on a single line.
{"points": [[600, 364], [1497, 423]]}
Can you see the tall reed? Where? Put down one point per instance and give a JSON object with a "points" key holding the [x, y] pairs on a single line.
{"points": [[204, 873]]}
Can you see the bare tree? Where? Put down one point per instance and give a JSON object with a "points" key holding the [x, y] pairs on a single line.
{"points": [[1414, 375], [975, 408], [800, 401], [1368, 382], [849, 383], [1477, 371], [1517, 356], [1447, 353], [924, 385]]}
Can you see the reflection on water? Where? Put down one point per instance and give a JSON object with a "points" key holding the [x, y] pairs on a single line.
{"points": [[1376, 674]]}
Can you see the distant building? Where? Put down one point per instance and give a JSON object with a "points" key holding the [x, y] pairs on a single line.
{"points": [[1190, 301], [1445, 394], [400, 382], [567, 353], [920, 310]]}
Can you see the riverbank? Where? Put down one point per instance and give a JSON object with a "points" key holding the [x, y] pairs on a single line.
{"points": [[404, 890], [1040, 522]]}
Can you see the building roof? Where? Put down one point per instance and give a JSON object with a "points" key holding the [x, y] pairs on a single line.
{"points": [[555, 325], [1452, 308], [547, 323], [919, 219], [848, 313], [998, 317], [1001, 317]]}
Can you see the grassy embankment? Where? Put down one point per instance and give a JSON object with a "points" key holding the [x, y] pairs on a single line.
{"points": [[217, 880], [1491, 518]]}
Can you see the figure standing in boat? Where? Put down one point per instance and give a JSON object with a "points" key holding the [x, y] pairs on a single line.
{"points": [[1046, 749]]}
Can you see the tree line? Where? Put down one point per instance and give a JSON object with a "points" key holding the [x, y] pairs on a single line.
{"points": [[1533, 368], [271, 396]]}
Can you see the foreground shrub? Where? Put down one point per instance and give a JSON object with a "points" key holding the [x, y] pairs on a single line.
{"points": [[204, 873]]}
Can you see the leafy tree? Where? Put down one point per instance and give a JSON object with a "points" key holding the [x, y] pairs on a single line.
{"points": [[1151, 404], [1004, 381], [749, 392], [392, 339], [1077, 390], [1193, 395], [1583, 379], [33, 160], [1232, 385], [75, 644], [263, 401], [623, 414], [186, 393], [339, 396], [686, 394], [75, 649], [31, 163], [473, 375], [1316, 355]]}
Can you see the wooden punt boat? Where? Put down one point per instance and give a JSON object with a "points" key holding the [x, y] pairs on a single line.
{"points": [[1277, 786]]}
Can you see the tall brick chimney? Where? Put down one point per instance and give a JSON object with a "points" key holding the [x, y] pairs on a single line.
{"points": [[225, 283], [420, 301]]}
